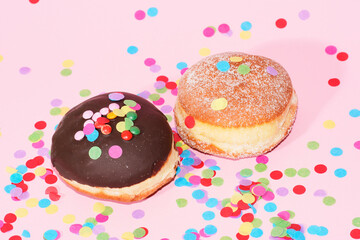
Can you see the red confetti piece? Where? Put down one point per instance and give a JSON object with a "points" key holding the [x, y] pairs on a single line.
{"points": [[40, 125], [176, 137], [236, 213], [189, 122], [51, 189], [334, 82], [276, 175], [171, 85], [31, 163], [296, 227], [180, 150], [226, 212], [162, 78], [242, 237], [15, 237], [33, 1], [355, 233], [320, 168], [106, 129], [54, 196], [299, 189], [39, 160], [24, 187], [248, 217], [102, 120], [6, 227], [29, 176], [10, 218], [51, 179], [200, 165], [126, 135], [206, 182], [342, 56], [281, 23], [242, 205]]}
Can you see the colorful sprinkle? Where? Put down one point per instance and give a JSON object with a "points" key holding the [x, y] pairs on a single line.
{"points": [[219, 104], [243, 69]]}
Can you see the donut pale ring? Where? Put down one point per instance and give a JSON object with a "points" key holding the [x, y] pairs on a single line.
{"points": [[115, 146], [235, 105]]}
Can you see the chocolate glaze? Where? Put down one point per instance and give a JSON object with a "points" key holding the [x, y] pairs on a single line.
{"points": [[142, 156]]}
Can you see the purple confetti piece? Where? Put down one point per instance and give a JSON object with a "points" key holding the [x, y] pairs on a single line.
{"points": [[19, 154], [98, 228], [24, 70], [282, 191], [270, 70], [320, 193], [155, 68], [144, 94], [137, 214], [210, 162]]}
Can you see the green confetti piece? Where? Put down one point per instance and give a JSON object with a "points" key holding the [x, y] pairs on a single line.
{"points": [[313, 145], [181, 202], [162, 90], [94, 152], [207, 173], [132, 115], [290, 172], [225, 238], [154, 97], [128, 123], [243, 69], [107, 211], [55, 111], [275, 220], [292, 214], [283, 224], [179, 144], [135, 130], [66, 72], [217, 181], [85, 93], [103, 236], [139, 232], [91, 220], [264, 181], [225, 201], [168, 117], [260, 167], [277, 231], [36, 136], [356, 222], [257, 222], [329, 201], [303, 172], [246, 172], [130, 103]]}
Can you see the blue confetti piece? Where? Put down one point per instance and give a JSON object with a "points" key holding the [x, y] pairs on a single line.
{"points": [[252, 208], [336, 151], [212, 202], [44, 203], [16, 178], [270, 207], [210, 229], [26, 234], [152, 12], [50, 235], [93, 136], [246, 26], [186, 153], [22, 169], [189, 236], [313, 229], [215, 168], [223, 66], [9, 187], [181, 182], [198, 194], [191, 230], [322, 231], [132, 49], [256, 233], [354, 113], [208, 215], [187, 161], [181, 65], [89, 224], [340, 172]]}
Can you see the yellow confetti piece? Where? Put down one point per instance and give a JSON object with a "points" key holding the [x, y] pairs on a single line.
{"points": [[127, 109], [245, 35], [219, 104], [119, 112], [127, 236], [236, 59], [329, 124], [204, 52], [21, 212], [11, 170], [85, 232], [40, 171], [1, 58], [177, 82], [111, 115], [51, 209], [69, 218], [68, 63], [32, 202], [120, 126], [184, 147], [64, 110], [248, 198], [188, 175], [245, 228], [99, 207], [236, 198]]}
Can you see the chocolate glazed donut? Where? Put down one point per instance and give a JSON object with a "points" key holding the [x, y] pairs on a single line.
{"points": [[114, 141]]}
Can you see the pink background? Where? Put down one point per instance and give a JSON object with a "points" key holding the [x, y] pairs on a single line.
{"points": [[96, 35]]}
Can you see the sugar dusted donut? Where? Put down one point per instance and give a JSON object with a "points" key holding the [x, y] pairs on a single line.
{"points": [[115, 146], [235, 105]]}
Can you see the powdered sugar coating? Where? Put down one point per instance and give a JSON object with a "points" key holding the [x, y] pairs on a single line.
{"points": [[253, 98]]}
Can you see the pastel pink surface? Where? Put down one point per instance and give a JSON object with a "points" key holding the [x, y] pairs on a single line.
{"points": [[37, 38]]}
